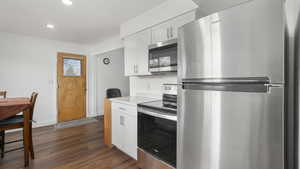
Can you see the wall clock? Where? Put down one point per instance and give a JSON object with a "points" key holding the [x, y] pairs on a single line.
{"points": [[106, 61]]}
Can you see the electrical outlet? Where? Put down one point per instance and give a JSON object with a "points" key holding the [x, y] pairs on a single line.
{"points": [[148, 86]]}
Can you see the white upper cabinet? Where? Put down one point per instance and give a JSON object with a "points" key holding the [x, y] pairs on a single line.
{"points": [[136, 53], [159, 14], [161, 33], [169, 30], [129, 50], [180, 21], [136, 45]]}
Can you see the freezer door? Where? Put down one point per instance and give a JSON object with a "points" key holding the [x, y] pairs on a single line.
{"points": [[243, 41], [230, 130]]}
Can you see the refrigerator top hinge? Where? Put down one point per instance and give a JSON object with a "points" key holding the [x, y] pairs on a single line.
{"points": [[274, 85]]}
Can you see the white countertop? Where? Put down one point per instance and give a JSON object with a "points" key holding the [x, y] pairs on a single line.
{"points": [[133, 100]]}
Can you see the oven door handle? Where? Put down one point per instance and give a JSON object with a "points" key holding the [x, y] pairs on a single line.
{"points": [[159, 115]]}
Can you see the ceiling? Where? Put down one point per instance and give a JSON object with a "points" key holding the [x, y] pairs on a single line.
{"points": [[85, 22], [211, 6]]}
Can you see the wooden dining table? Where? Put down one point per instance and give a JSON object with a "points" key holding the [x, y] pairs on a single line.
{"points": [[10, 107]]}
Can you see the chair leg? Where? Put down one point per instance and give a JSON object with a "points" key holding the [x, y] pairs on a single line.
{"points": [[2, 133], [31, 143], [26, 155]]}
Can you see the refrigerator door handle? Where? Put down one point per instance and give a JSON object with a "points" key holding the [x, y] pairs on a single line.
{"points": [[250, 88], [245, 84], [241, 80]]}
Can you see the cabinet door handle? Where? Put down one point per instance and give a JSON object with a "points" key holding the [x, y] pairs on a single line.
{"points": [[137, 68], [122, 120], [121, 108], [168, 33], [171, 32], [134, 68]]}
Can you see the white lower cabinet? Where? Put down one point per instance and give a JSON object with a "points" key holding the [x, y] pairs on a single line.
{"points": [[130, 139], [124, 128], [116, 129]]}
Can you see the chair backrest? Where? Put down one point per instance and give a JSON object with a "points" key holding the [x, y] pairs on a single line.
{"points": [[112, 93], [33, 98], [3, 94]]}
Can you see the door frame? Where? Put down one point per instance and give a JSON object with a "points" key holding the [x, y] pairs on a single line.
{"points": [[59, 66]]}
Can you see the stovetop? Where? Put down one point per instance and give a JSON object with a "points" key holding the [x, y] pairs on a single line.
{"points": [[159, 105]]}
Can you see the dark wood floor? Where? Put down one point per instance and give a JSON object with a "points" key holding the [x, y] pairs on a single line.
{"points": [[79, 147]]}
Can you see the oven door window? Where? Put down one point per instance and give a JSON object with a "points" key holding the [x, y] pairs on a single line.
{"points": [[158, 137]]}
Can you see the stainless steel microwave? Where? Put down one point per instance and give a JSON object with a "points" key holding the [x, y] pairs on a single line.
{"points": [[163, 57]]}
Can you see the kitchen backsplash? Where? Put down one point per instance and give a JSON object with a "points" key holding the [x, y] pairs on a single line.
{"points": [[150, 86]]}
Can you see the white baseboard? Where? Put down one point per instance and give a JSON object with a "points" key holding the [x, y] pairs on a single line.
{"points": [[35, 125], [49, 123], [44, 124], [94, 114], [13, 130], [100, 114]]}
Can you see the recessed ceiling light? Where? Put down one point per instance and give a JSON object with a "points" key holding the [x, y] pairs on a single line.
{"points": [[67, 2], [50, 26]]}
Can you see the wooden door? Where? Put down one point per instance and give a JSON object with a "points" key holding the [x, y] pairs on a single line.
{"points": [[71, 92]]}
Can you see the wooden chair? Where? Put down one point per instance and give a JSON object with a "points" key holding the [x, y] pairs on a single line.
{"points": [[16, 122], [3, 94], [2, 136]]}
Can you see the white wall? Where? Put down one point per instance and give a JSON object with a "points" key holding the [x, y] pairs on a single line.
{"points": [[110, 76], [29, 64], [207, 7], [167, 10], [151, 86], [93, 50], [109, 44]]}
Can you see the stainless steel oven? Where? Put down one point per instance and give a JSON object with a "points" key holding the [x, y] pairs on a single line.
{"points": [[163, 57], [157, 136], [157, 132]]}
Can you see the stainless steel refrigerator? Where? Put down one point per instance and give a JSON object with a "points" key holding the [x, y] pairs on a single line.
{"points": [[232, 99]]}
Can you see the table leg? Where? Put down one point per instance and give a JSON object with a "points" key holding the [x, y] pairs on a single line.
{"points": [[26, 137]]}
